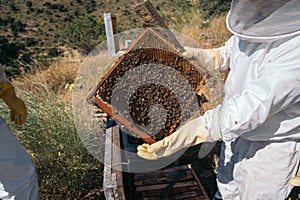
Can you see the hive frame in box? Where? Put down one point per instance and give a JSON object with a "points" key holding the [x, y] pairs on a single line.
{"points": [[94, 99], [165, 36]]}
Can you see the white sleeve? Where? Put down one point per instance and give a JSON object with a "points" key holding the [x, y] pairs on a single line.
{"points": [[225, 54], [2, 74], [277, 89], [211, 124]]}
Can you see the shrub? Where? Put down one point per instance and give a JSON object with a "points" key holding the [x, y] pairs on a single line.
{"points": [[54, 52], [16, 27], [84, 33], [91, 6], [10, 52], [65, 169], [61, 8], [29, 4], [29, 42], [210, 8], [3, 22], [13, 7]]}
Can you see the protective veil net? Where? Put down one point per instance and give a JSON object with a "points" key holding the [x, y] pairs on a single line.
{"points": [[264, 18]]}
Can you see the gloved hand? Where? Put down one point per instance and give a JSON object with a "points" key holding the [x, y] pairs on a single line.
{"points": [[203, 129], [207, 58], [18, 111], [295, 181]]}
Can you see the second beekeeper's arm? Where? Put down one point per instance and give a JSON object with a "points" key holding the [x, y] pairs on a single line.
{"points": [[18, 111]]}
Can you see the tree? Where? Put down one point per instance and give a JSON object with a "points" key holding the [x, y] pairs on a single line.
{"points": [[209, 8], [9, 54], [16, 27], [85, 33], [54, 52], [29, 4], [91, 6], [8, 51]]}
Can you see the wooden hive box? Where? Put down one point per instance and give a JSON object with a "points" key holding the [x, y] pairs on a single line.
{"points": [[178, 182]]}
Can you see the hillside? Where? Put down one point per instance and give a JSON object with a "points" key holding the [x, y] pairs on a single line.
{"points": [[38, 24], [34, 29]]}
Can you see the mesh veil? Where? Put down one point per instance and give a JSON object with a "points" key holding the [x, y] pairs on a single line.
{"points": [[265, 19]]}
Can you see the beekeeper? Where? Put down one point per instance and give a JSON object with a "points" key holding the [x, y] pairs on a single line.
{"points": [[18, 178], [259, 119]]}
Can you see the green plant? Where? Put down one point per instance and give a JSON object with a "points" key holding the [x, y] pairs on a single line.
{"points": [[9, 53], [91, 6], [210, 8], [85, 33], [29, 4], [65, 168], [16, 27], [54, 52], [29, 42]]}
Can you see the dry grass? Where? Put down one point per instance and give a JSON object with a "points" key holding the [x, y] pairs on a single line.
{"points": [[59, 78], [209, 34], [66, 170]]}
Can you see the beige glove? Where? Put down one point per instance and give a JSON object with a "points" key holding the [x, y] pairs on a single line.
{"points": [[18, 111], [295, 181], [208, 58], [202, 129], [211, 59]]}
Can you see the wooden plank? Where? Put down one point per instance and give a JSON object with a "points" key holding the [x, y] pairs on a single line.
{"points": [[162, 186], [149, 198], [198, 181], [152, 185], [108, 183], [161, 172], [113, 177], [195, 194], [116, 147], [117, 163], [167, 179], [186, 189], [160, 175], [176, 191], [185, 195]]}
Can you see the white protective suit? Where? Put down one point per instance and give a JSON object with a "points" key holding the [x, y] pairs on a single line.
{"points": [[260, 123], [18, 178]]}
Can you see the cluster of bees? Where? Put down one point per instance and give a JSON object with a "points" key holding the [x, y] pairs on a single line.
{"points": [[154, 89]]}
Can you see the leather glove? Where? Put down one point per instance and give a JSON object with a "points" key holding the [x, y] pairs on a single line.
{"points": [[203, 129], [207, 58], [18, 111], [295, 181]]}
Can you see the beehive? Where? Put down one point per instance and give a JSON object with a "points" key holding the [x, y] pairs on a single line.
{"points": [[155, 48], [179, 182]]}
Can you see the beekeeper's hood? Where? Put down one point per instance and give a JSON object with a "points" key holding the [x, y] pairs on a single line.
{"points": [[264, 19]]}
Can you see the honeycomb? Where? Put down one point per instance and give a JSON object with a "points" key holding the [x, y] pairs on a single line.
{"points": [[151, 89]]}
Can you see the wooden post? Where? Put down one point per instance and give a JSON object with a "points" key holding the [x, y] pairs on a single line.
{"points": [[113, 177], [111, 30]]}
